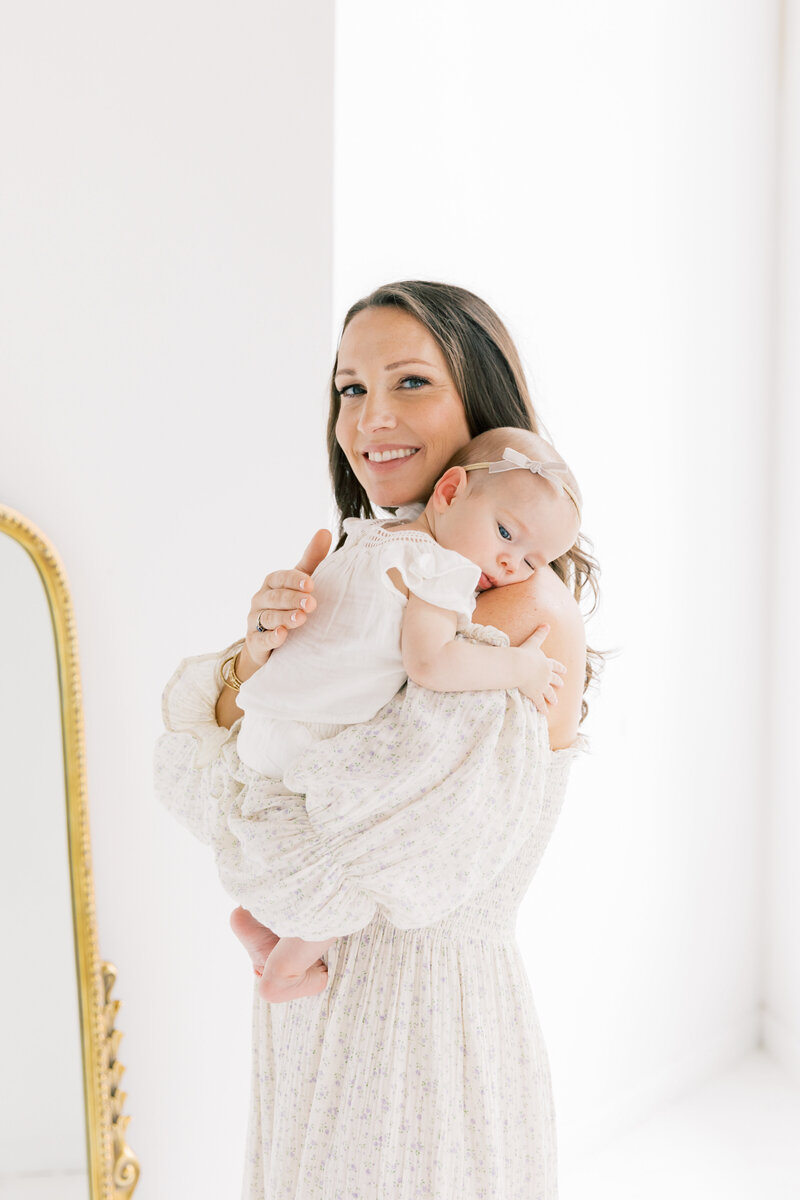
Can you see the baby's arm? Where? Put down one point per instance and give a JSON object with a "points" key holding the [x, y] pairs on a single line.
{"points": [[435, 660]]}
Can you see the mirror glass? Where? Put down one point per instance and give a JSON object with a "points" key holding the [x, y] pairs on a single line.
{"points": [[43, 1153]]}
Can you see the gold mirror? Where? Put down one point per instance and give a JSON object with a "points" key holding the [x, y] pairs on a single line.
{"points": [[62, 1130]]}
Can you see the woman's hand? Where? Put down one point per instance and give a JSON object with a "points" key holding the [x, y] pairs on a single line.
{"points": [[283, 603], [277, 601], [541, 675]]}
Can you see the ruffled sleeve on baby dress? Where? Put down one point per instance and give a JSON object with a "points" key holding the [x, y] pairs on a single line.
{"points": [[412, 812], [356, 527], [435, 574]]}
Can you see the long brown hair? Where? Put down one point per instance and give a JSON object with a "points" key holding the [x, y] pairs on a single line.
{"points": [[486, 370]]}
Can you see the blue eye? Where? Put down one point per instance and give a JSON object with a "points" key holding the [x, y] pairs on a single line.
{"points": [[503, 530], [345, 391]]}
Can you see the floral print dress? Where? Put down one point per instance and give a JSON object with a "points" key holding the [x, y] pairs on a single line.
{"points": [[421, 1070]]}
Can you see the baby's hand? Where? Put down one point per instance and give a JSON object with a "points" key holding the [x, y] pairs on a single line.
{"points": [[540, 675]]}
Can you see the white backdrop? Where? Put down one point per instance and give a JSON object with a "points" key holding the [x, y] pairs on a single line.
{"points": [[166, 250], [781, 813], [186, 223], [606, 176]]}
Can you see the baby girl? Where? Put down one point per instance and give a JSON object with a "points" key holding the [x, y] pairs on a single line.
{"points": [[389, 605]]}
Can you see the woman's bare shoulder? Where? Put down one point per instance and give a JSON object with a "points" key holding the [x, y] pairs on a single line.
{"points": [[520, 607], [544, 599]]}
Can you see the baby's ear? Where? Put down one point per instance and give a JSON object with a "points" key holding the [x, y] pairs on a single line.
{"points": [[453, 482]]}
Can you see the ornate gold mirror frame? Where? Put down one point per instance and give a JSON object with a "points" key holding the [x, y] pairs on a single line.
{"points": [[112, 1168]]}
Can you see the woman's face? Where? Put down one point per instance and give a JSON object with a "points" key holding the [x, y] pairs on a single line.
{"points": [[396, 395]]}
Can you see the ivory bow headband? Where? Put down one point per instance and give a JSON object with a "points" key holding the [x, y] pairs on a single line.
{"points": [[513, 460]]}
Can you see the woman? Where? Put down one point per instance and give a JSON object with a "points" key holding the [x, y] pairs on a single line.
{"points": [[421, 1069]]}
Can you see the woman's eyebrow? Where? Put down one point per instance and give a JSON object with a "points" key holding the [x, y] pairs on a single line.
{"points": [[389, 366]]}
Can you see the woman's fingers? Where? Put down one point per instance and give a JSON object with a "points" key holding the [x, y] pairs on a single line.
{"points": [[271, 623], [278, 605], [283, 595], [283, 606], [315, 551], [284, 601], [259, 645]]}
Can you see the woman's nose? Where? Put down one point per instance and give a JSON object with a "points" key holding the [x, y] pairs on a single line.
{"points": [[377, 412]]}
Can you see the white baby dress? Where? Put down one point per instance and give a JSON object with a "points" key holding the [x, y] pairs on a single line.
{"points": [[345, 663]]}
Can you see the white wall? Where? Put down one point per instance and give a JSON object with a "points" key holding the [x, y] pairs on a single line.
{"points": [[782, 915], [604, 175], [165, 236]]}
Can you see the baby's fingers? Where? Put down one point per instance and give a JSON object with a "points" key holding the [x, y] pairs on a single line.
{"points": [[550, 696], [555, 665]]}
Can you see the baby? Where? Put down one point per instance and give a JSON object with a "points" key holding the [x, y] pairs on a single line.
{"points": [[389, 605]]}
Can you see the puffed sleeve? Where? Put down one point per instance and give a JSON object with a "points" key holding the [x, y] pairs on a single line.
{"points": [[194, 761], [442, 577], [411, 812]]}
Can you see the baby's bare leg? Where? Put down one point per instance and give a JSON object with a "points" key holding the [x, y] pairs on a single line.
{"points": [[293, 970]]}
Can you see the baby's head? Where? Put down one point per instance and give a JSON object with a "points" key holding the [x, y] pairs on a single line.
{"points": [[508, 521]]}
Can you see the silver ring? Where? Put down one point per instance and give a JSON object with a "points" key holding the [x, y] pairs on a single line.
{"points": [[259, 626]]}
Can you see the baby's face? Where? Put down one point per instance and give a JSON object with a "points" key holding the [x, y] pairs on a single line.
{"points": [[511, 526]]}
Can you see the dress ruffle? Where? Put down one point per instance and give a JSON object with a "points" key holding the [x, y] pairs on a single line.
{"points": [[436, 575]]}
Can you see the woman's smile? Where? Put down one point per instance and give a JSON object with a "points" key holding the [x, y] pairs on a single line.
{"points": [[384, 459]]}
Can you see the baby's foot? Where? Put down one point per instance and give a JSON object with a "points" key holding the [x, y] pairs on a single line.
{"points": [[258, 941], [310, 983]]}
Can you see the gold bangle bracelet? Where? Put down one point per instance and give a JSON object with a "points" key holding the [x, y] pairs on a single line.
{"points": [[231, 680]]}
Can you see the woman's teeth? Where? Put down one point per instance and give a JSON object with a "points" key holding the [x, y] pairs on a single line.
{"points": [[385, 455]]}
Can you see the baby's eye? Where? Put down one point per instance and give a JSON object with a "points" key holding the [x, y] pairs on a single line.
{"points": [[503, 530]]}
